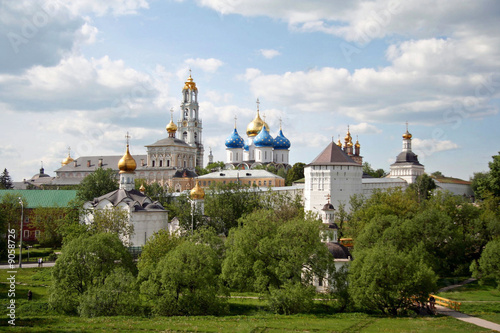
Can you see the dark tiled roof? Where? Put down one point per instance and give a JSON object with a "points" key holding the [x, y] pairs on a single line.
{"points": [[132, 198], [333, 155], [407, 157], [185, 173], [338, 250]]}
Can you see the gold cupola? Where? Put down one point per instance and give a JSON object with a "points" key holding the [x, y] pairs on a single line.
{"points": [[68, 159], [256, 125], [142, 189], [171, 127], [197, 192], [407, 134], [190, 84], [127, 162]]}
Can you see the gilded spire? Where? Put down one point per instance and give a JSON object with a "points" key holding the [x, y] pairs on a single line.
{"points": [[127, 162], [407, 134], [68, 159], [171, 127]]}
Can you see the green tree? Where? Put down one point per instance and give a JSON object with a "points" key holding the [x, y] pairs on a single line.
{"points": [[423, 187], [186, 282], [265, 252], [156, 247], [385, 279], [118, 295], [488, 267], [111, 220], [154, 190], [85, 263], [49, 220], [295, 173], [5, 180], [480, 184], [226, 203], [215, 166], [495, 175], [97, 184], [379, 173]]}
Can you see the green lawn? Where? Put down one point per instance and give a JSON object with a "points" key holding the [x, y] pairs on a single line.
{"points": [[247, 315], [479, 301]]}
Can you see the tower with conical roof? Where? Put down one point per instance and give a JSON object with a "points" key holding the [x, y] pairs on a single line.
{"points": [[190, 124], [407, 166]]}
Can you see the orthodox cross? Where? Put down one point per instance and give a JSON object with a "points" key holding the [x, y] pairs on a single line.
{"points": [[258, 103], [235, 118], [328, 196], [127, 137]]}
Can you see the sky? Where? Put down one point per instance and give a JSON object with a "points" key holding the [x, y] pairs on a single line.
{"points": [[83, 73]]}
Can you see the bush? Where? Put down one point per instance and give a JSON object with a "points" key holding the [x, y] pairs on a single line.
{"points": [[291, 298], [117, 296]]}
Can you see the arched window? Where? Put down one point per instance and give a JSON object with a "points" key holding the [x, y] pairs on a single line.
{"points": [[186, 113], [161, 163], [168, 163], [185, 136], [153, 163]]}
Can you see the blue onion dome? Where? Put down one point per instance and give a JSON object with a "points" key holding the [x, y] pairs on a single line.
{"points": [[234, 140], [246, 146], [281, 142], [263, 139]]}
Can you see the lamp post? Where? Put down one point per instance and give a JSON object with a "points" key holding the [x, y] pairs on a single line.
{"points": [[21, 234]]}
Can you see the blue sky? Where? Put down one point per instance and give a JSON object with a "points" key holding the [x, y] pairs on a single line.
{"points": [[82, 73]]}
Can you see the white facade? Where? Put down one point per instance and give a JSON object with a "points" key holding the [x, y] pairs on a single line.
{"points": [[339, 182]]}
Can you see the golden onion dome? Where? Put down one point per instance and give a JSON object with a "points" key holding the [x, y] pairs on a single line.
{"points": [[127, 163], [407, 135], [348, 136], [339, 143], [67, 160], [190, 84], [142, 188], [357, 145], [256, 125], [197, 192], [171, 127], [349, 144]]}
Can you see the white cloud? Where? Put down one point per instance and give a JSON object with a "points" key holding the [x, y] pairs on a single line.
{"points": [[428, 147], [361, 21], [269, 53], [364, 128], [427, 81], [210, 65], [100, 8]]}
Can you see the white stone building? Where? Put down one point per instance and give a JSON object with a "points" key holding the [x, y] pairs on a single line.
{"points": [[145, 216]]}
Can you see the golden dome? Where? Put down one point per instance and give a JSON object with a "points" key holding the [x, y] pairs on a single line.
{"points": [[67, 160], [197, 192], [407, 135], [357, 145], [256, 125], [190, 84], [127, 163], [348, 137], [171, 127], [339, 143]]}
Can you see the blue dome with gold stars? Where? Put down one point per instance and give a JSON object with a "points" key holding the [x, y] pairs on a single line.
{"points": [[263, 139], [281, 142], [234, 140]]}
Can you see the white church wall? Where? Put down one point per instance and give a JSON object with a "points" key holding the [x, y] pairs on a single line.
{"points": [[145, 224]]}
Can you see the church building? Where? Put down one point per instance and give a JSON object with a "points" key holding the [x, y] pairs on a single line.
{"points": [[170, 161], [260, 148]]}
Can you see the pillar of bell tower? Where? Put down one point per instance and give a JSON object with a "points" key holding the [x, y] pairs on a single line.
{"points": [[190, 124]]}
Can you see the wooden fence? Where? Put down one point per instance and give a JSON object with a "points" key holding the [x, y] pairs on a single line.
{"points": [[447, 302]]}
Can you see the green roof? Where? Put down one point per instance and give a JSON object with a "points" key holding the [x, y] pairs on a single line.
{"points": [[43, 198]]}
